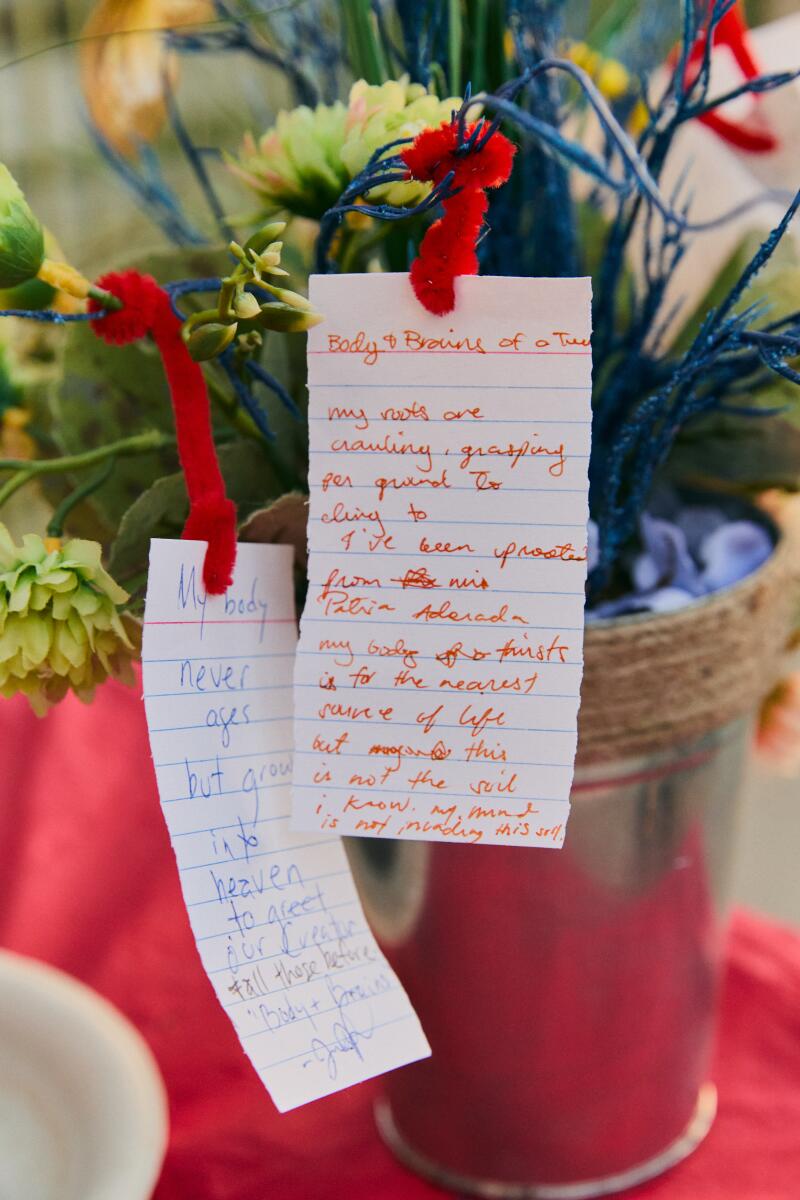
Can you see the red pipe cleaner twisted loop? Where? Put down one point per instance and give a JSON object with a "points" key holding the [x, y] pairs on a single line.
{"points": [[448, 248], [731, 31], [146, 309]]}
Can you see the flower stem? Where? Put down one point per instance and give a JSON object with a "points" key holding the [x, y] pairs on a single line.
{"points": [[24, 470], [65, 278], [480, 17], [13, 484], [139, 443], [454, 35], [365, 51], [56, 527], [236, 416], [110, 302]]}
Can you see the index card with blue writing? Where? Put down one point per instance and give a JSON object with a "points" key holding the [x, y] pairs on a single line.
{"points": [[275, 915]]}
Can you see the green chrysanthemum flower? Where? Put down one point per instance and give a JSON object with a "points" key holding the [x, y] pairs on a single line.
{"points": [[60, 628], [378, 115], [297, 164], [21, 235], [310, 155]]}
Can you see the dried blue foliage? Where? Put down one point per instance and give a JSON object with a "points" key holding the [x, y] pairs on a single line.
{"points": [[382, 168], [645, 395], [146, 182], [237, 30], [245, 395]]}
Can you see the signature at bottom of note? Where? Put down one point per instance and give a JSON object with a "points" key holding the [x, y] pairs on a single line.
{"points": [[346, 1039]]}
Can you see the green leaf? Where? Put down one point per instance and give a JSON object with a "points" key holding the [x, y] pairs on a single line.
{"points": [[10, 390], [778, 284], [161, 511], [365, 51], [737, 455], [107, 390]]}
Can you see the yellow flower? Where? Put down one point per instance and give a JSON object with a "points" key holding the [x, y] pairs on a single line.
{"points": [[125, 65], [15, 441], [612, 78], [778, 732], [308, 157], [60, 628]]}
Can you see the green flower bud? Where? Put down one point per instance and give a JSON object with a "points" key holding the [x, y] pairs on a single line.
{"points": [[33, 293], [207, 341], [293, 299], [21, 235], [268, 262], [246, 305], [251, 340], [264, 237], [283, 318]]}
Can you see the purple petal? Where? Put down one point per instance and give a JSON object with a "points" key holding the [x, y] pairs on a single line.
{"points": [[592, 545], [697, 522], [668, 599], [732, 552], [666, 560], [616, 608], [665, 599]]}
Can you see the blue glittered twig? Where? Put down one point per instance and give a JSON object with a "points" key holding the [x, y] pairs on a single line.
{"points": [[275, 386], [50, 316], [245, 396], [195, 160], [185, 287], [151, 191]]}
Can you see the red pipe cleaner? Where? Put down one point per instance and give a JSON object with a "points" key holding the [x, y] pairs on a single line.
{"points": [[146, 309], [448, 248], [732, 32]]}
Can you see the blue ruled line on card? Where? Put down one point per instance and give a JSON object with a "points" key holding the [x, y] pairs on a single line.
{"points": [[234, 803], [457, 387]]}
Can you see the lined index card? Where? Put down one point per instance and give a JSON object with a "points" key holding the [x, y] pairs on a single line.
{"points": [[439, 668], [276, 917]]}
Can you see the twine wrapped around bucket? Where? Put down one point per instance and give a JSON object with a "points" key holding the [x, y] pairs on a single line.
{"points": [[651, 681]]}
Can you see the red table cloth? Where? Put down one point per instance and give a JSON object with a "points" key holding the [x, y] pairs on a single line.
{"points": [[88, 882]]}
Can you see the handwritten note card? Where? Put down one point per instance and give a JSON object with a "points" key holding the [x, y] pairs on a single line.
{"points": [[276, 917], [439, 668]]}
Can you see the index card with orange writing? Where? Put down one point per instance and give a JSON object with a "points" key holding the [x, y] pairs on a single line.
{"points": [[438, 676]]}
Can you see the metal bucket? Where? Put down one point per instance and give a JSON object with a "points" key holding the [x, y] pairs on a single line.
{"points": [[568, 995]]}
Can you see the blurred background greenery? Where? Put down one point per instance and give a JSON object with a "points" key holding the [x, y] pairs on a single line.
{"points": [[45, 135], [46, 141]]}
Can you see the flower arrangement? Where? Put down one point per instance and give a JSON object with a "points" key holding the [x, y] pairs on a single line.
{"points": [[387, 106]]}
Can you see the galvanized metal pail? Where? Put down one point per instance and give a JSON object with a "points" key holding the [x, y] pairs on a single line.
{"points": [[569, 995]]}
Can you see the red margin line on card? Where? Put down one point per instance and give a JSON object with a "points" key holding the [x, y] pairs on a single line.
{"points": [[231, 621], [473, 353]]}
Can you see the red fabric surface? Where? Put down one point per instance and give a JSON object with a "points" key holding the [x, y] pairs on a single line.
{"points": [[88, 882]]}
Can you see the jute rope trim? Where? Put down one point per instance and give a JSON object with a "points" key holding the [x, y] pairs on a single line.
{"points": [[656, 680]]}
